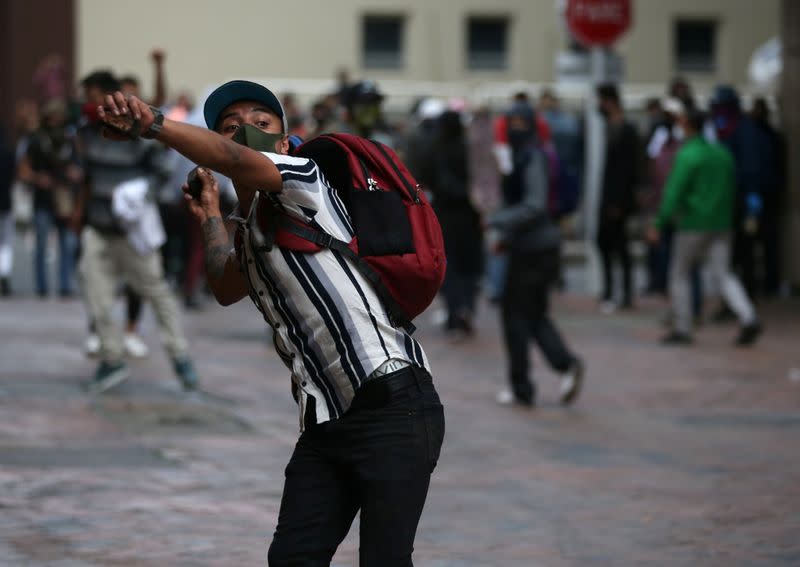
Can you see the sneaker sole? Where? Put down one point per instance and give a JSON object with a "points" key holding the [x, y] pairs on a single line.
{"points": [[572, 395], [113, 379]]}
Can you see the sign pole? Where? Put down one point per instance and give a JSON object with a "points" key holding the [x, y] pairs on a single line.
{"points": [[595, 143], [595, 24]]}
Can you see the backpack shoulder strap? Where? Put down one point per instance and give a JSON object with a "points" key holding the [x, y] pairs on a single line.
{"points": [[321, 238]]}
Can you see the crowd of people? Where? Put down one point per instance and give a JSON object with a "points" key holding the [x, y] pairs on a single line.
{"points": [[109, 175], [502, 184]]}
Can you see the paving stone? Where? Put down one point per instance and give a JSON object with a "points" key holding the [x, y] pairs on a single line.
{"points": [[671, 457]]}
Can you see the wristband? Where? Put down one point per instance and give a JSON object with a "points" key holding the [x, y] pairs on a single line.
{"points": [[156, 126]]}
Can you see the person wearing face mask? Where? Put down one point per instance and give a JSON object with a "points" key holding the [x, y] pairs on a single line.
{"points": [[621, 173], [524, 228], [371, 421], [51, 167], [121, 233], [365, 117]]}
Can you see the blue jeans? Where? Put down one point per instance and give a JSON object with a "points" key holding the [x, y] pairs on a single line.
{"points": [[67, 243], [496, 267]]}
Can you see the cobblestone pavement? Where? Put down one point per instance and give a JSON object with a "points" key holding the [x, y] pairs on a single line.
{"points": [[671, 457]]}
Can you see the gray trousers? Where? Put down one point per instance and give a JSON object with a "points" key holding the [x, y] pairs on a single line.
{"points": [[105, 261], [715, 249]]}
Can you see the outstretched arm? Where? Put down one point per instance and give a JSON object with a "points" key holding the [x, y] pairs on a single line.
{"points": [[223, 272], [250, 170], [160, 96]]}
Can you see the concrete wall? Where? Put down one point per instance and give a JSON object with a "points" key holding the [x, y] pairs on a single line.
{"points": [[208, 41], [743, 26]]}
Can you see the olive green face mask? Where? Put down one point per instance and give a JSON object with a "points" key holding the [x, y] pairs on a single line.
{"points": [[366, 115], [252, 137]]}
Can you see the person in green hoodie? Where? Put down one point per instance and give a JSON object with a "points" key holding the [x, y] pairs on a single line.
{"points": [[698, 199]]}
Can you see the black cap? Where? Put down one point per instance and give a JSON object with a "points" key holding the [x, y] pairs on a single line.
{"points": [[364, 91], [234, 91]]}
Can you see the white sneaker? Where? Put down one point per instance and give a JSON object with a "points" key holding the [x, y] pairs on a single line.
{"points": [[134, 346], [505, 397], [570, 383], [92, 347]]}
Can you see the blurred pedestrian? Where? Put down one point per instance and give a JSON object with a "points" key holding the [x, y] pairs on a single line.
{"points": [[524, 227], [621, 175], [343, 86], [663, 144], [120, 241], [421, 139], [566, 133], [758, 180], [51, 167], [662, 147], [365, 114], [50, 79], [461, 223], [699, 198], [774, 199], [7, 176], [484, 179]]}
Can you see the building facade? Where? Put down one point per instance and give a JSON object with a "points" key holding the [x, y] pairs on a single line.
{"points": [[440, 45]]}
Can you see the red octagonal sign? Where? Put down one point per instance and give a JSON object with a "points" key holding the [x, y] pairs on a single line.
{"points": [[598, 22]]}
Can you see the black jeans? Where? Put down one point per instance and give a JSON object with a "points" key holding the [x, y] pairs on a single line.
{"points": [[377, 458], [525, 315]]}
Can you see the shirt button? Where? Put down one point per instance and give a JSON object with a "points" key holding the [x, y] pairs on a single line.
{"points": [[277, 325], [304, 383], [261, 293]]}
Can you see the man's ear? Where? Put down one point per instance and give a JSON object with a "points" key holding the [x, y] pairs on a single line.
{"points": [[282, 145]]}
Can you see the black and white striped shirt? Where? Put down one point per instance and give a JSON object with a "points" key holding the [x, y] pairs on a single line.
{"points": [[329, 326]]}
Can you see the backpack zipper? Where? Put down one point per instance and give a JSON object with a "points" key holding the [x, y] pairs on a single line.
{"points": [[414, 194], [372, 185]]}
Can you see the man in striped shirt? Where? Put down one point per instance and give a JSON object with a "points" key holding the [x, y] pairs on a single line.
{"points": [[371, 421]]}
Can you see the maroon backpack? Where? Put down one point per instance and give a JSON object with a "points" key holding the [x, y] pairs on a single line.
{"points": [[398, 244]]}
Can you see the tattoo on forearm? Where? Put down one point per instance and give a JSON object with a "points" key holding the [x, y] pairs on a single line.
{"points": [[217, 247]]}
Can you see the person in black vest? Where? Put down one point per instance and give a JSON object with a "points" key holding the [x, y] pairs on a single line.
{"points": [[461, 223], [524, 227]]}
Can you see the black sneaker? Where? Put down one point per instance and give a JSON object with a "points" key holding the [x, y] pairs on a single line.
{"points": [[676, 338], [570, 383], [186, 373], [723, 315], [5, 288], [107, 376], [749, 334]]}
